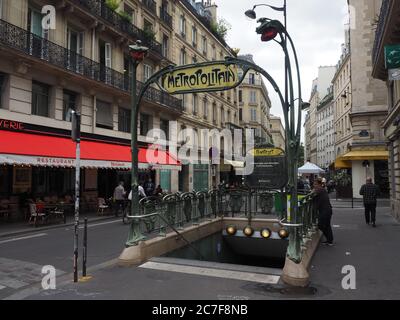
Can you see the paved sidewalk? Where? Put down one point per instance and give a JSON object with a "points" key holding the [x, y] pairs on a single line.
{"points": [[372, 251], [8, 229]]}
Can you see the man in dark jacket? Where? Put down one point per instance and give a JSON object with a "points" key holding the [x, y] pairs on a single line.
{"points": [[324, 208], [370, 193]]}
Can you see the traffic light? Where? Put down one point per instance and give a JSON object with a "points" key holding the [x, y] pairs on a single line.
{"points": [[76, 126]]}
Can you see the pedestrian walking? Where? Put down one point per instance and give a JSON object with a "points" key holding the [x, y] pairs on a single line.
{"points": [[324, 208], [119, 198], [370, 193], [149, 188]]}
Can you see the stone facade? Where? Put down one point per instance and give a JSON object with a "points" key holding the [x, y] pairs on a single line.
{"points": [[177, 32], [388, 33], [278, 132], [369, 98], [255, 105]]}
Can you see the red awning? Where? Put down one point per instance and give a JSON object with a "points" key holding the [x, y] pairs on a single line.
{"points": [[26, 148]]}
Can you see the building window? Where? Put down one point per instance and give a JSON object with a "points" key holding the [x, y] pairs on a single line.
{"points": [[222, 116], [214, 113], [130, 12], [252, 79], [240, 96], [214, 53], [164, 127], [205, 109], [144, 124], [195, 104], [1, 9], [241, 115], [253, 114], [182, 57], [182, 26], [69, 104], [194, 36], [253, 97], [104, 115], [204, 45], [148, 72], [165, 45], [184, 102], [124, 120], [2, 85], [40, 99]]}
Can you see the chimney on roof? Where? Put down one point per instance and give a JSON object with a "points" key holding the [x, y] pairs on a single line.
{"points": [[212, 9]]}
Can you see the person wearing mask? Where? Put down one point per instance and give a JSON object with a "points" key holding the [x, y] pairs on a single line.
{"points": [[324, 209]]}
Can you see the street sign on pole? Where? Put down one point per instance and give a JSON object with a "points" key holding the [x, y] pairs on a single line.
{"points": [[392, 56], [205, 77]]}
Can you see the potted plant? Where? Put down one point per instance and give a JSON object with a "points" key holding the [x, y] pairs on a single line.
{"points": [[126, 16], [113, 4]]}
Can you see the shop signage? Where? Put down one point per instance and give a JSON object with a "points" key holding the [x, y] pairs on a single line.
{"points": [[270, 170], [392, 56], [201, 78], [9, 124]]}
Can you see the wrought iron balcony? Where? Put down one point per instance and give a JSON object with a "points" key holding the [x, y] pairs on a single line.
{"points": [[165, 17], [100, 9], [160, 97], [150, 5], [32, 45], [383, 17]]}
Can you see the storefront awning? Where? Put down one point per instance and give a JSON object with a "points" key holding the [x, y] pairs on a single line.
{"points": [[40, 150], [366, 155], [342, 164]]}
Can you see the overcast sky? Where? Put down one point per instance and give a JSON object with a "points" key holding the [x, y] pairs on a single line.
{"points": [[316, 27]]}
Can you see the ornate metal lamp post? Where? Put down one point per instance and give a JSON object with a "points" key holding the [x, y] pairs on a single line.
{"points": [[269, 30], [137, 54]]}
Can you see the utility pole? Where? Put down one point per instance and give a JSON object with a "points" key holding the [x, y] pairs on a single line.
{"points": [[76, 136]]}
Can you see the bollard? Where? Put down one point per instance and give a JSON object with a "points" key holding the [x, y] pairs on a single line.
{"points": [[84, 248]]}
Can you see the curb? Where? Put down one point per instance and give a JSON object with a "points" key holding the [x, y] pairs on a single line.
{"points": [[51, 227]]}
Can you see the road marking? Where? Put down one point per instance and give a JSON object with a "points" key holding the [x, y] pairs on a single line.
{"points": [[102, 223], [210, 272], [24, 238]]}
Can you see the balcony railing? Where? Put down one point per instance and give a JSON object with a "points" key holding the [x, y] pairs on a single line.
{"points": [[150, 5], [384, 15], [30, 44], [165, 17], [154, 95], [100, 9]]}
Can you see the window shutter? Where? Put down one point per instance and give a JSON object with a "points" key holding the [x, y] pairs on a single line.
{"points": [[108, 55]]}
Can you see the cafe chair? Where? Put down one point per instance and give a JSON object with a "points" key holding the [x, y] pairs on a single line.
{"points": [[5, 209], [36, 216], [101, 206], [58, 213]]}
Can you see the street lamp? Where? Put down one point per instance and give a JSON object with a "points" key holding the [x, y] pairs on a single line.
{"points": [[269, 30], [137, 54]]}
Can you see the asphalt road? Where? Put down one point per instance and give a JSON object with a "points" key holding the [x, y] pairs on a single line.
{"points": [[22, 257]]}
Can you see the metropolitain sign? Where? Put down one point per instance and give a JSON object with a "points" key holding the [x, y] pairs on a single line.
{"points": [[201, 78]]}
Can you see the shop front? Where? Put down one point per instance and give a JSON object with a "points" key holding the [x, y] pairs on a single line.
{"points": [[366, 163], [42, 165]]}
